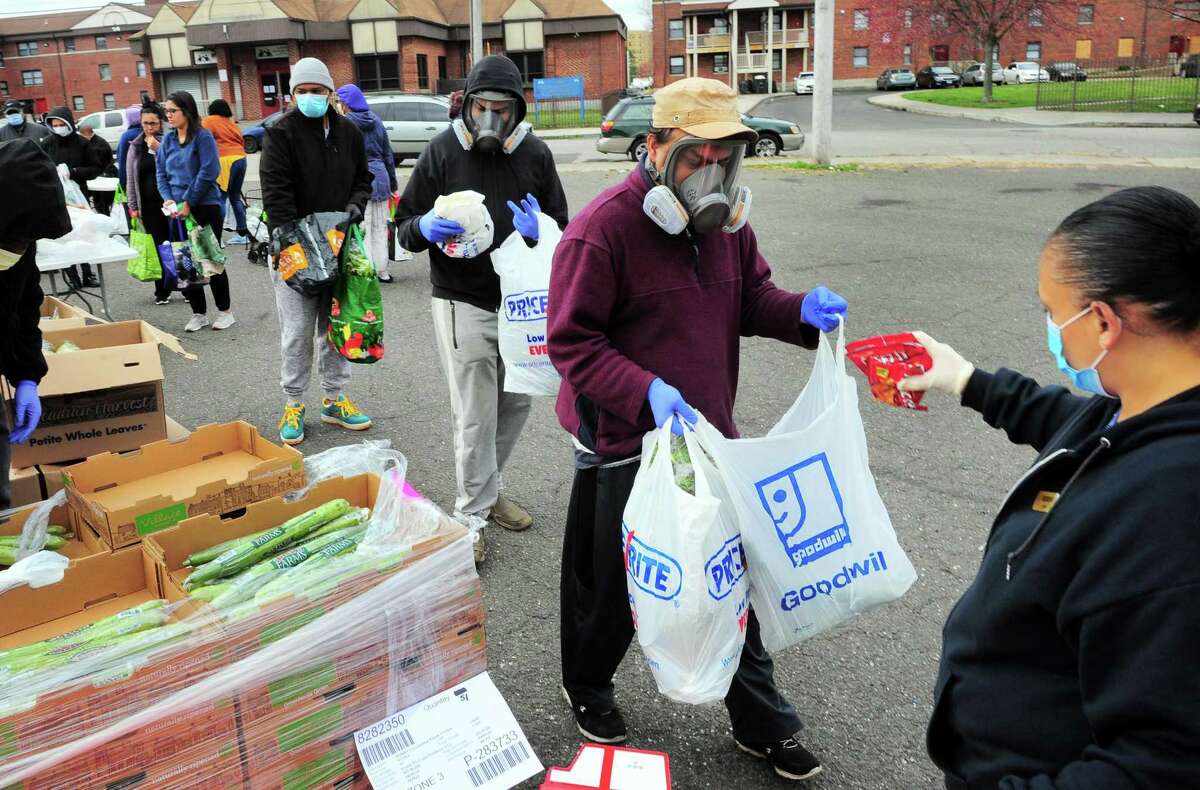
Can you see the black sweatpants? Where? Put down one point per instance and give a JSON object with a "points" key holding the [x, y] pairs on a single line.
{"points": [[212, 216], [156, 224], [597, 626]]}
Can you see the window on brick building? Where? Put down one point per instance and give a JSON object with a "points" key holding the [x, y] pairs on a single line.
{"points": [[441, 64], [531, 65], [720, 26], [777, 60], [422, 71], [110, 101], [32, 77], [676, 64], [141, 68], [675, 28], [68, 45], [1124, 47], [105, 72], [27, 48], [776, 20], [1087, 14], [721, 63], [908, 13], [908, 54], [1035, 17], [101, 42], [862, 19], [862, 57], [77, 104], [377, 72], [3, 87], [1033, 50], [1083, 49]]}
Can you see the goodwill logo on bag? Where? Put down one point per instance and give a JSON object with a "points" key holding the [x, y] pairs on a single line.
{"points": [[806, 507], [527, 306], [653, 571], [725, 568]]}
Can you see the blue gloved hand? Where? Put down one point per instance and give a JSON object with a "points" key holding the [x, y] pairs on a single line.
{"points": [[436, 229], [28, 412], [525, 221], [822, 308], [666, 403]]}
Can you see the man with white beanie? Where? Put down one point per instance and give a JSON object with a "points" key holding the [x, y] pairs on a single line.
{"points": [[313, 160]]}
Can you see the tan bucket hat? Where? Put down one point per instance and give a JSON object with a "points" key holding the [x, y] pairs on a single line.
{"points": [[701, 107]]}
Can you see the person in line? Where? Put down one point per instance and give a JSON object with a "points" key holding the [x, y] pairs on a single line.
{"points": [[17, 127], [491, 151], [1070, 660], [382, 164], [144, 200], [32, 207], [232, 150], [187, 168], [102, 200], [313, 160], [133, 119], [652, 286], [72, 153]]}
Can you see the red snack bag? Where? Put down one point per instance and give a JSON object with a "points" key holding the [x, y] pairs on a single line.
{"points": [[887, 359]]}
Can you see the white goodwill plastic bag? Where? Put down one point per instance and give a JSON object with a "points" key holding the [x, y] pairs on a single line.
{"points": [[524, 300], [467, 209], [686, 575], [818, 539]]}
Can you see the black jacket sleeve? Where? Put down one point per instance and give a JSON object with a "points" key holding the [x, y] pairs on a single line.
{"points": [[550, 194], [360, 191], [88, 165], [277, 178], [1028, 412], [423, 188], [21, 345]]}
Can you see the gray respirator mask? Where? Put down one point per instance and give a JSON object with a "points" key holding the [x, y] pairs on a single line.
{"points": [[488, 128], [708, 197]]}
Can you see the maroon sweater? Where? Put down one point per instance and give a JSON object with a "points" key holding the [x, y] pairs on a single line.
{"points": [[629, 303]]}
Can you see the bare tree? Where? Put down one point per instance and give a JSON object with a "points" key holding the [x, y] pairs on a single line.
{"points": [[1186, 10], [988, 21]]}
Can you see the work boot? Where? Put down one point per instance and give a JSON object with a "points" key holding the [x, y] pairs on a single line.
{"points": [[291, 427], [343, 412], [789, 759], [510, 515], [608, 727]]}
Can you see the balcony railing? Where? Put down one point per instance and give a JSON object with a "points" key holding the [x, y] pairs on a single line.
{"points": [[708, 40], [792, 37], [752, 62]]}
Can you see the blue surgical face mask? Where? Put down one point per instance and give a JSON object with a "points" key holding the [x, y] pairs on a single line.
{"points": [[312, 105], [15, 119], [1087, 379]]}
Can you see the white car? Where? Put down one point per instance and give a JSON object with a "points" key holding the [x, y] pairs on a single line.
{"points": [[109, 124], [1025, 71], [803, 83]]}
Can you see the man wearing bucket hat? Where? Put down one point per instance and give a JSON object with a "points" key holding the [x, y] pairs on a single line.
{"points": [[653, 284], [489, 150]]}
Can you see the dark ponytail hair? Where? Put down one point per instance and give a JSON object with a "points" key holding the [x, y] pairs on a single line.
{"points": [[1137, 246], [187, 103], [151, 107]]}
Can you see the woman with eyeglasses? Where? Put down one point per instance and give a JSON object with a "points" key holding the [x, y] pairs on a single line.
{"points": [[141, 185], [188, 166], [1072, 659]]}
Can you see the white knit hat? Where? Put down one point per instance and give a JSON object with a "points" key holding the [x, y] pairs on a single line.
{"points": [[311, 71]]}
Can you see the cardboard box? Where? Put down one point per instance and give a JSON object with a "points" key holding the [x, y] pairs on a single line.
{"points": [[84, 543], [217, 469], [57, 314], [25, 486], [106, 397]]}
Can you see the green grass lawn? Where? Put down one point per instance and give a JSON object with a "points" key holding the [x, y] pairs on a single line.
{"points": [[1159, 95], [564, 119]]}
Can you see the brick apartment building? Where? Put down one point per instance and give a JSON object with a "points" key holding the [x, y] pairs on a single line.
{"points": [[243, 50], [641, 53], [738, 39], [80, 59]]}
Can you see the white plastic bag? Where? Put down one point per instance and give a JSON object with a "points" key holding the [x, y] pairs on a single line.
{"points": [[37, 570], [120, 222], [467, 209], [818, 539], [686, 574], [71, 190], [524, 298]]}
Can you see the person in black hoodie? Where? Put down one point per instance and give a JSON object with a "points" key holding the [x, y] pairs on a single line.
{"points": [[66, 147], [103, 154], [1071, 660], [490, 150], [32, 207]]}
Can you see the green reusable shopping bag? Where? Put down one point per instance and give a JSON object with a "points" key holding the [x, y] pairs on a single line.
{"points": [[356, 309], [144, 266], [206, 250], [119, 198]]}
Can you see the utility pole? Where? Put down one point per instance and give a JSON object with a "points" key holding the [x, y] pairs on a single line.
{"points": [[476, 31], [822, 106]]}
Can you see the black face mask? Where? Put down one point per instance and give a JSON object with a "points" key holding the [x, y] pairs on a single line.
{"points": [[489, 128]]}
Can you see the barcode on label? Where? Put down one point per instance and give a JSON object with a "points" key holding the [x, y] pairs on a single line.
{"points": [[386, 747], [492, 767]]}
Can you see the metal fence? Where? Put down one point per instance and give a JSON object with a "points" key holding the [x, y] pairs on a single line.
{"points": [[565, 113], [1125, 85]]}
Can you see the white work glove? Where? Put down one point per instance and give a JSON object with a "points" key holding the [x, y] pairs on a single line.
{"points": [[950, 372]]}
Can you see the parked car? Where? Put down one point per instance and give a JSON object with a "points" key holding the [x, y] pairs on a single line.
{"points": [[896, 78], [803, 83], [412, 120], [252, 138], [109, 124], [1066, 72], [1025, 71], [938, 77], [973, 74], [624, 130], [1190, 67]]}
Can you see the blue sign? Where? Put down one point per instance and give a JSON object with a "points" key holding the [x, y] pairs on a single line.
{"points": [[547, 88], [806, 506]]}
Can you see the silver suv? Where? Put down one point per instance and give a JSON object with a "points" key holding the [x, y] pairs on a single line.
{"points": [[412, 120]]}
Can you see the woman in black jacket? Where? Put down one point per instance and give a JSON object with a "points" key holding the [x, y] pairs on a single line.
{"points": [[67, 147], [1073, 659]]}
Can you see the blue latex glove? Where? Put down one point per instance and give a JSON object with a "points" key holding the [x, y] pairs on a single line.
{"points": [[525, 221], [436, 229], [28, 411], [822, 308], [666, 403]]}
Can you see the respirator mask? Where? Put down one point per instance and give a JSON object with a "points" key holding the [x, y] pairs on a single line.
{"points": [[490, 119], [698, 187]]}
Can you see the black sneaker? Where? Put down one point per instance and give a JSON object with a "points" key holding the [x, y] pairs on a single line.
{"points": [[599, 727], [789, 759]]}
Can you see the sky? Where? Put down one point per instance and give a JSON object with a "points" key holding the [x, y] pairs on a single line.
{"points": [[636, 13]]}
